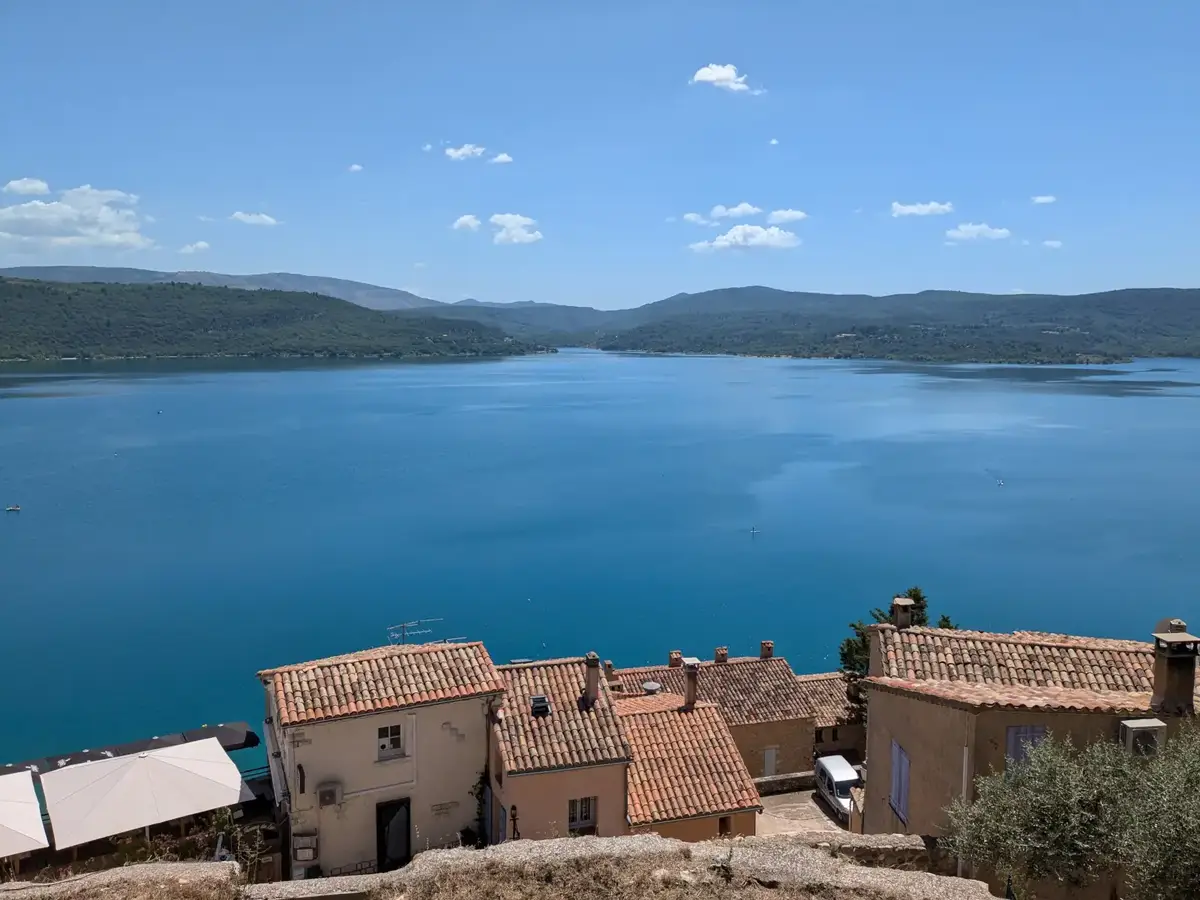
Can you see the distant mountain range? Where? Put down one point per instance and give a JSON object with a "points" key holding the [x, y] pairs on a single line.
{"points": [[369, 295], [935, 326]]}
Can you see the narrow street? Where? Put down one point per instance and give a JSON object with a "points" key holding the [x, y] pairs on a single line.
{"points": [[797, 811]]}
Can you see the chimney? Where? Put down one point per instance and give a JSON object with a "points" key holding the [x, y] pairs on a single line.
{"points": [[591, 687], [539, 706], [691, 675], [651, 687], [722, 655], [766, 649], [902, 612], [675, 659], [1174, 670], [610, 672]]}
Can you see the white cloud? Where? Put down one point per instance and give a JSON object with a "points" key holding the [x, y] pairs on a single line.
{"points": [[466, 151], [355, 167], [254, 218], [933, 208], [1043, 198], [501, 158], [773, 141], [748, 236], [514, 229], [968, 231], [780, 216], [468, 222], [696, 219], [27, 186], [198, 247], [740, 211], [1053, 245], [205, 218], [427, 147], [81, 217], [725, 77]]}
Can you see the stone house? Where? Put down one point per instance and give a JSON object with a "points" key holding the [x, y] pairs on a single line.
{"points": [[836, 725], [560, 757], [946, 706], [687, 779], [758, 697], [571, 757], [377, 755]]}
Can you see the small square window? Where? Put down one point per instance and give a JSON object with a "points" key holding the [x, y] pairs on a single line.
{"points": [[581, 816], [835, 737], [391, 742]]}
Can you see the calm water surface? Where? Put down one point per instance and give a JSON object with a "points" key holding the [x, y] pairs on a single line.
{"points": [[555, 505]]}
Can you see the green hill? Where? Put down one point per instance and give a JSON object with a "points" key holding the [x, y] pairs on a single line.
{"points": [[369, 295], [48, 320]]}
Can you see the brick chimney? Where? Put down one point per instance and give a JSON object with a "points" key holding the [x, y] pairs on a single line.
{"points": [[691, 675], [675, 659], [722, 655], [902, 612], [766, 649], [1174, 670], [591, 686], [610, 672]]}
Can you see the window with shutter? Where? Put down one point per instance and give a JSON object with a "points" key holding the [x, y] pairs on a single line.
{"points": [[898, 797], [1019, 738]]}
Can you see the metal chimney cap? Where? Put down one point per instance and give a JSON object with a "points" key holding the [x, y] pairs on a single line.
{"points": [[651, 687]]}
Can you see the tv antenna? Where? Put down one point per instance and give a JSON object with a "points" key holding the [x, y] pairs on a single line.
{"points": [[405, 631]]}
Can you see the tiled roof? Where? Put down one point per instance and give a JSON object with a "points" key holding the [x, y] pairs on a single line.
{"points": [[685, 763], [1021, 658], [1007, 696], [825, 698], [749, 690], [381, 679], [571, 735]]}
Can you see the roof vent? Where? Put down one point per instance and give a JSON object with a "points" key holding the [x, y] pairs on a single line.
{"points": [[539, 705], [651, 687]]}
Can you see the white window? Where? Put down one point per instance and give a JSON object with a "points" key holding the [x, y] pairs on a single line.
{"points": [[581, 815], [1020, 738], [899, 794], [391, 742]]}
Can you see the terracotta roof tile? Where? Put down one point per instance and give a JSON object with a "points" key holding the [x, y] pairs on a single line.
{"points": [[749, 690], [380, 679], [825, 699], [1006, 696], [571, 735], [685, 763], [1021, 658]]}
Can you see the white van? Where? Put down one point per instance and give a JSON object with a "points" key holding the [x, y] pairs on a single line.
{"points": [[835, 777]]}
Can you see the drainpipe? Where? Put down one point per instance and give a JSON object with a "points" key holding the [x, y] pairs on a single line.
{"points": [[968, 740]]}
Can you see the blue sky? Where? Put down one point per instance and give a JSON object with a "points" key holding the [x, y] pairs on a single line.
{"points": [[204, 111]]}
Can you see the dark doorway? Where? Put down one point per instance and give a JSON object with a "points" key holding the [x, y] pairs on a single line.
{"points": [[393, 835]]}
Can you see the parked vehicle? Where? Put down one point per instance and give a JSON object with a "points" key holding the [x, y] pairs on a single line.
{"points": [[835, 777]]}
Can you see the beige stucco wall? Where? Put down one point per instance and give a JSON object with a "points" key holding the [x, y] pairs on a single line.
{"points": [[542, 800], [933, 737], [792, 738], [851, 740], [449, 742], [702, 829]]}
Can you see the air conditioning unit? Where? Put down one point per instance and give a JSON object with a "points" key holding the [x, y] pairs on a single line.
{"points": [[1143, 736], [329, 794]]}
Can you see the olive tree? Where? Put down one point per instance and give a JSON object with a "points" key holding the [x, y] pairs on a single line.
{"points": [[1072, 815]]}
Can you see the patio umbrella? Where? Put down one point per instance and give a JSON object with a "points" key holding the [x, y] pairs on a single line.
{"points": [[21, 827], [98, 799]]}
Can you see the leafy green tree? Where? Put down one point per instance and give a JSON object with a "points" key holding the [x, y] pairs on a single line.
{"points": [[1072, 815]]}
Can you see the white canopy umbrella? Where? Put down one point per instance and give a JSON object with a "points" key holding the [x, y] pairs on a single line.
{"points": [[21, 828], [98, 799]]}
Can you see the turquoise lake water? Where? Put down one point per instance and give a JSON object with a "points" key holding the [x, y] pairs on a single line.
{"points": [[554, 505]]}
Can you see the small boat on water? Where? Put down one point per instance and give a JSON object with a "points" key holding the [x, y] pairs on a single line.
{"points": [[12, 509]]}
